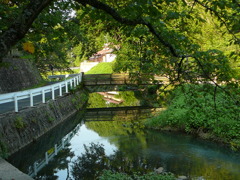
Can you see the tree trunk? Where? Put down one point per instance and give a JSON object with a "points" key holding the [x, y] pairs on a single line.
{"points": [[20, 27]]}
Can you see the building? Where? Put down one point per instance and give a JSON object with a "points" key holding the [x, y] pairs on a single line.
{"points": [[105, 55]]}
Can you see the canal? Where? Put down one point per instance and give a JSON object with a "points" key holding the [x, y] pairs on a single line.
{"points": [[120, 131]]}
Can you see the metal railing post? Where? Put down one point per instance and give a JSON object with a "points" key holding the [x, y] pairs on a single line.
{"points": [[53, 95], [66, 86], [15, 103], [60, 89], [74, 81], [71, 83], [43, 96], [31, 99], [77, 80]]}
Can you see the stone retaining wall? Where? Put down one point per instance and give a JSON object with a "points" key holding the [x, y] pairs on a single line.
{"points": [[19, 129], [18, 74]]}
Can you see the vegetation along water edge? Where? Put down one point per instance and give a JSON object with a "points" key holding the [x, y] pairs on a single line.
{"points": [[203, 110]]}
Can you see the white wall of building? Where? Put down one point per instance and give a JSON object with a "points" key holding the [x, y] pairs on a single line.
{"points": [[86, 66], [109, 57]]}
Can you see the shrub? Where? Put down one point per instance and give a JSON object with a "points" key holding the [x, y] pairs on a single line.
{"points": [[200, 107], [19, 123]]}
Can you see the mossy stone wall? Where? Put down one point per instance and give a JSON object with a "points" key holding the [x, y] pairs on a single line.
{"points": [[18, 74], [19, 129]]}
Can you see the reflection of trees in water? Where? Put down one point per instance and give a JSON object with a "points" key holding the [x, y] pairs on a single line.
{"points": [[175, 152], [132, 131], [60, 162], [94, 161], [193, 157], [96, 100]]}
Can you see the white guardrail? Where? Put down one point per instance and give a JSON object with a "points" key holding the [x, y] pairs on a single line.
{"points": [[16, 96]]}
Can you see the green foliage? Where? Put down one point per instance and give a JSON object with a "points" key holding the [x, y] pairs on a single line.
{"points": [[180, 39], [72, 89], [40, 84], [19, 123], [53, 36], [200, 108], [96, 101], [51, 119], [84, 97], [89, 163], [9, 11], [129, 98], [34, 120], [109, 175], [94, 164], [102, 68], [80, 99]]}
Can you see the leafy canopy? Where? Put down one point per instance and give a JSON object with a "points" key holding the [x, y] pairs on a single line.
{"points": [[181, 39]]}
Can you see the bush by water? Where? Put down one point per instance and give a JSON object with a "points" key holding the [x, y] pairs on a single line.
{"points": [[203, 109]]}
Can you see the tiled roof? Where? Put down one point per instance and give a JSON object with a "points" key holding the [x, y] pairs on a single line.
{"points": [[105, 51]]}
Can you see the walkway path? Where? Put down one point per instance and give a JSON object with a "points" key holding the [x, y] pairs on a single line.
{"points": [[9, 172]]}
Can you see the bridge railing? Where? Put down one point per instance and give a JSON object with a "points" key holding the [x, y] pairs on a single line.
{"points": [[120, 79], [16, 96]]}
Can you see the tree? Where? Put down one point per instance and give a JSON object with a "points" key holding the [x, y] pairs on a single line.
{"points": [[18, 29], [167, 29]]}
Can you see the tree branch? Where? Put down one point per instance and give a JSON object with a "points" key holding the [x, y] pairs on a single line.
{"points": [[20, 27], [132, 22], [216, 84], [219, 17]]}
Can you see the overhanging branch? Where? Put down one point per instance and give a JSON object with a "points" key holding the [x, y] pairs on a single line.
{"points": [[132, 22], [219, 17], [20, 27]]}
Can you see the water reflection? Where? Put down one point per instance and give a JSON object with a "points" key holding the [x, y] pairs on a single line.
{"points": [[99, 100], [54, 151], [177, 153]]}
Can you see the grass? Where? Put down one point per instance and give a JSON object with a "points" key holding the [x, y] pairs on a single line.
{"points": [[49, 73], [102, 68]]}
